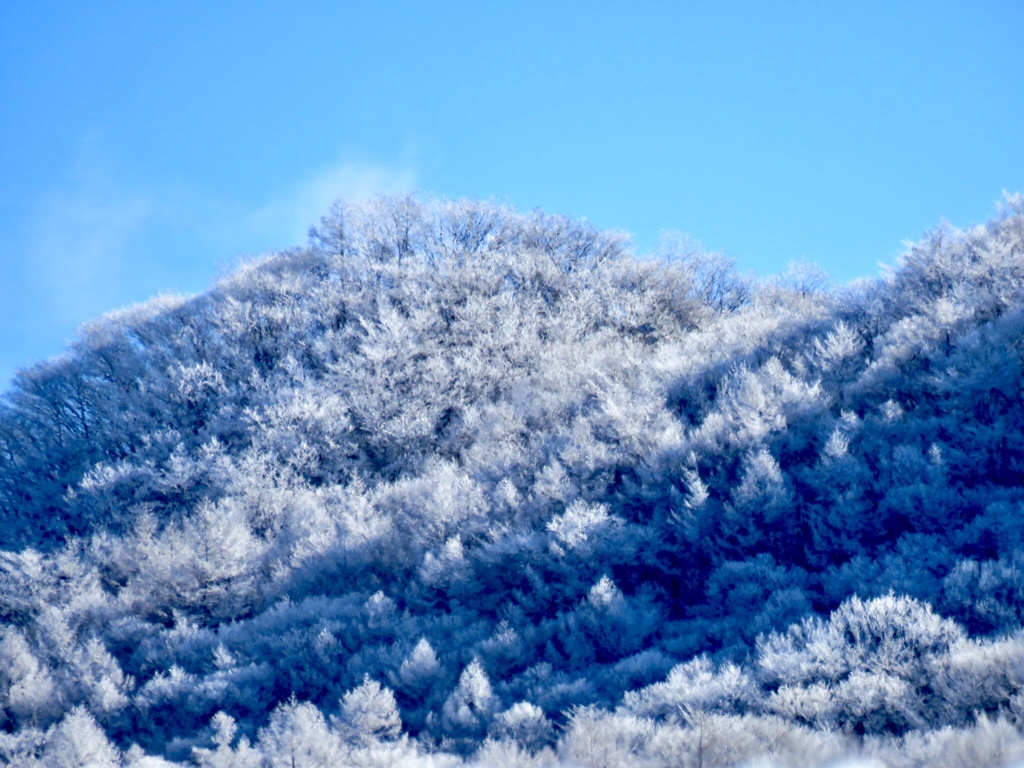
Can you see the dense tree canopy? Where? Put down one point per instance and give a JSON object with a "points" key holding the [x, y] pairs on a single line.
{"points": [[453, 483]]}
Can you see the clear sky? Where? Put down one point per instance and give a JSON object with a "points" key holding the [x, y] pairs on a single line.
{"points": [[145, 146]]}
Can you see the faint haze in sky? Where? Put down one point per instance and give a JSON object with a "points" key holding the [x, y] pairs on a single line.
{"points": [[145, 148]]}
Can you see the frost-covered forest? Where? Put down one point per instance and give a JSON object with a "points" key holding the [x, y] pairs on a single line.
{"points": [[454, 485]]}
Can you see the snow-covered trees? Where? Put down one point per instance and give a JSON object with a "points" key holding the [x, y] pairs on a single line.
{"points": [[370, 710], [452, 475]]}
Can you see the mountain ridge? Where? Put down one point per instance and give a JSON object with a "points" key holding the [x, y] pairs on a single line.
{"points": [[457, 478]]}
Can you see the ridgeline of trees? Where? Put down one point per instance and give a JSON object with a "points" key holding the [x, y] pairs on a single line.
{"points": [[455, 485]]}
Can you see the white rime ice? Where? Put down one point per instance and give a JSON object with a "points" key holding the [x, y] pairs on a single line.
{"points": [[454, 485]]}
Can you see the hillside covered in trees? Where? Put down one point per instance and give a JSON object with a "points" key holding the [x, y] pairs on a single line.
{"points": [[456, 485]]}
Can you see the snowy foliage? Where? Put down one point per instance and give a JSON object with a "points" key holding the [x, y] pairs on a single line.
{"points": [[454, 485]]}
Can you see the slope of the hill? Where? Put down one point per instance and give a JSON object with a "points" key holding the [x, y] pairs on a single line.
{"points": [[454, 477]]}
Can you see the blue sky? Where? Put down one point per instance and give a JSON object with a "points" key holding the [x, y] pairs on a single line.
{"points": [[145, 147]]}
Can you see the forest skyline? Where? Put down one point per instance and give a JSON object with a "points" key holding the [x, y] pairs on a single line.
{"points": [[149, 147]]}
